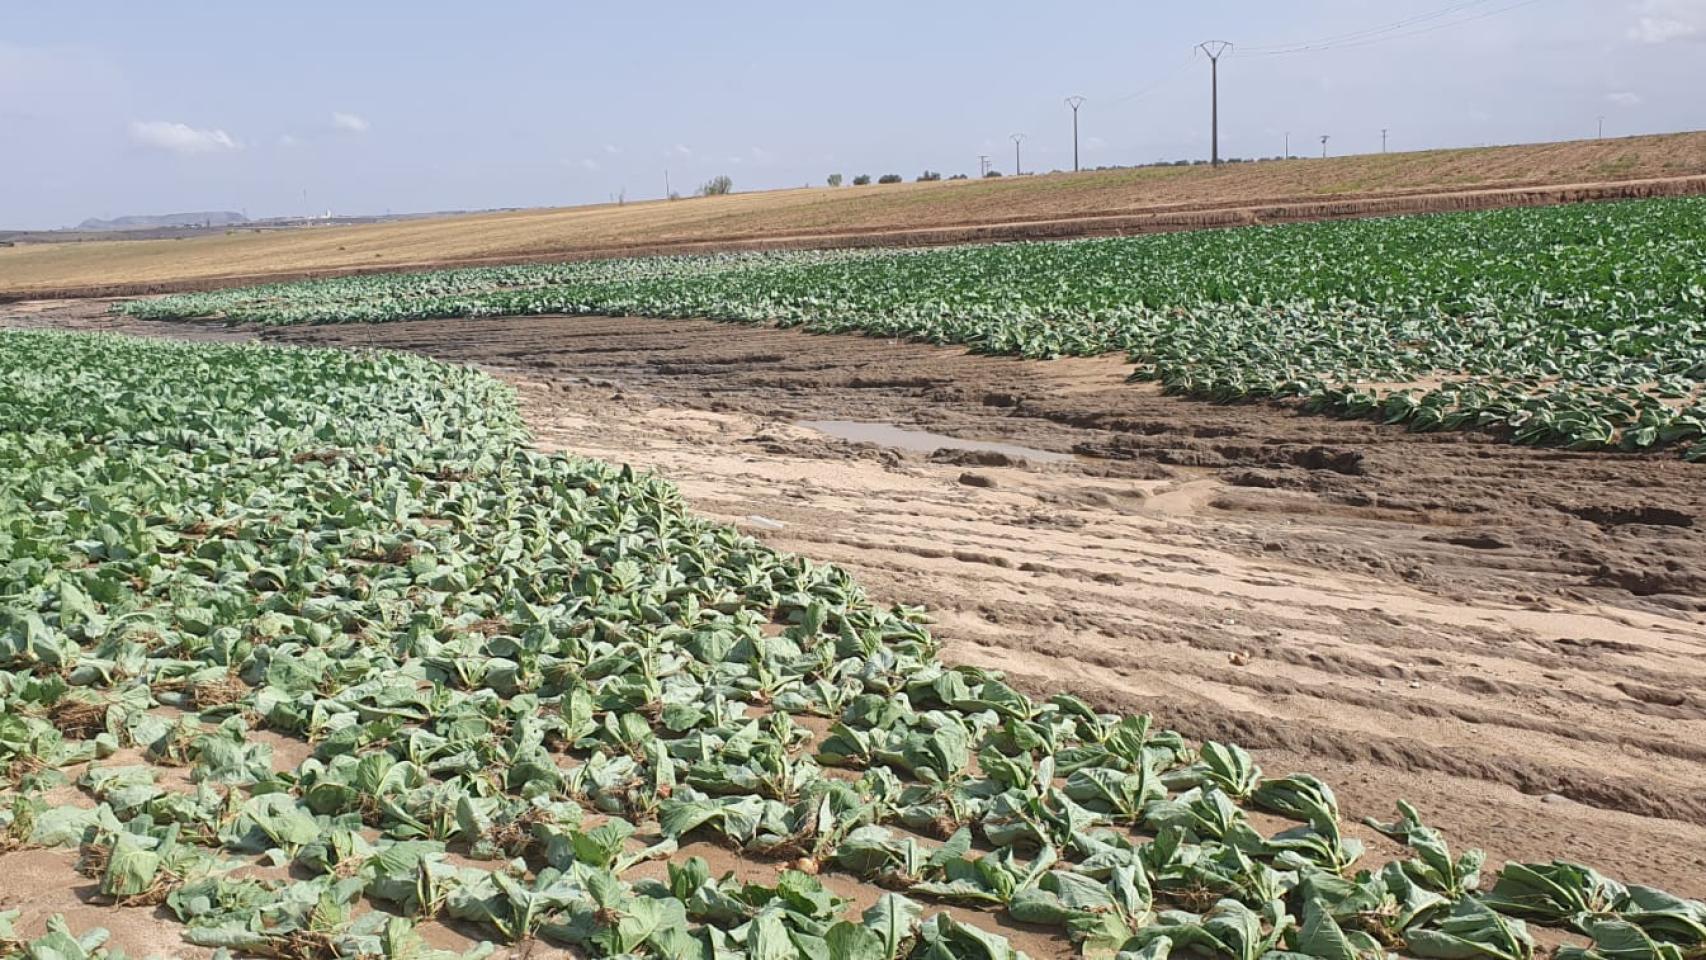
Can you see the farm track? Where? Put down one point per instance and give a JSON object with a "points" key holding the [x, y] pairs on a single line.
{"points": [[1511, 638]]}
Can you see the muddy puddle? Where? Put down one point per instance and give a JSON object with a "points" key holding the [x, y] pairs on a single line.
{"points": [[923, 441]]}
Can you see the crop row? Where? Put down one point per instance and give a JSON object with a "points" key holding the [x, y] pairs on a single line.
{"points": [[520, 681], [1580, 326]]}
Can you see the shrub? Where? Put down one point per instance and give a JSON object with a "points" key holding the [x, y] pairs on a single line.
{"points": [[835, 179], [929, 176], [717, 186], [862, 180], [889, 178]]}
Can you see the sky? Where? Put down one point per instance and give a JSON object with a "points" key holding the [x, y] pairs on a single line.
{"points": [[112, 107]]}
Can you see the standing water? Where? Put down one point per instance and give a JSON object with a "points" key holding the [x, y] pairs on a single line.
{"points": [[921, 441]]}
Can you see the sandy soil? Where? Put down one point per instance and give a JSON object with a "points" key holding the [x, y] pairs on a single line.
{"points": [[1510, 638], [1096, 203]]}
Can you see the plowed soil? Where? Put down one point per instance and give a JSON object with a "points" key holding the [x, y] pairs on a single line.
{"points": [[1513, 639]]}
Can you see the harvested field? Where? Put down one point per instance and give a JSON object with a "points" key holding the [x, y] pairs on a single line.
{"points": [[1089, 204], [1510, 638]]}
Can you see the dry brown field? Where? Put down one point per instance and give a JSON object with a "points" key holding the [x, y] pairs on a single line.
{"points": [[1034, 207]]}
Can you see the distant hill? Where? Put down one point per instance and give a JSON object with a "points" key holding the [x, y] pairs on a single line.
{"points": [[147, 222]]}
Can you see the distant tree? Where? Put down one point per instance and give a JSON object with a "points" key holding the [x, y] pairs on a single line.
{"points": [[959, 176], [929, 176], [835, 179], [861, 180], [889, 178], [717, 186], [992, 174]]}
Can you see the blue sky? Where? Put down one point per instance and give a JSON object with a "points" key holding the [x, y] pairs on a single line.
{"points": [[108, 107]]}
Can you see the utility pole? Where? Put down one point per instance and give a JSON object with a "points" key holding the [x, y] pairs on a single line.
{"points": [[667, 192], [1075, 103], [1382, 139], [1017, 168], [982, 165], [1602, 128], [1287, 146], [1214, 49], [1324, 139]]}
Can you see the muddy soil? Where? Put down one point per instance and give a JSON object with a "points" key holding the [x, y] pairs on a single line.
{"points": [[1513, 639]]}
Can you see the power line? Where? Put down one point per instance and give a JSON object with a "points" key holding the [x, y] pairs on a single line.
{"points": [[1439, 18], [1320, 48], [1165, 79], [1349, 39], [1366, 32]]}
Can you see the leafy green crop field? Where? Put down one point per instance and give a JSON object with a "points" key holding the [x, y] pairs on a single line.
{"points": [[1580, 326], [519, 681]]}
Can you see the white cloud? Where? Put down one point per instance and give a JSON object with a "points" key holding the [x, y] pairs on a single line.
{"points": [[761, 155], [1662, 21], [683, 150], [1661, 30], [180, 137], [350, 123], [1095, 143], [1624, 99], [590, 164], [612, 149], [286, 140]]}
